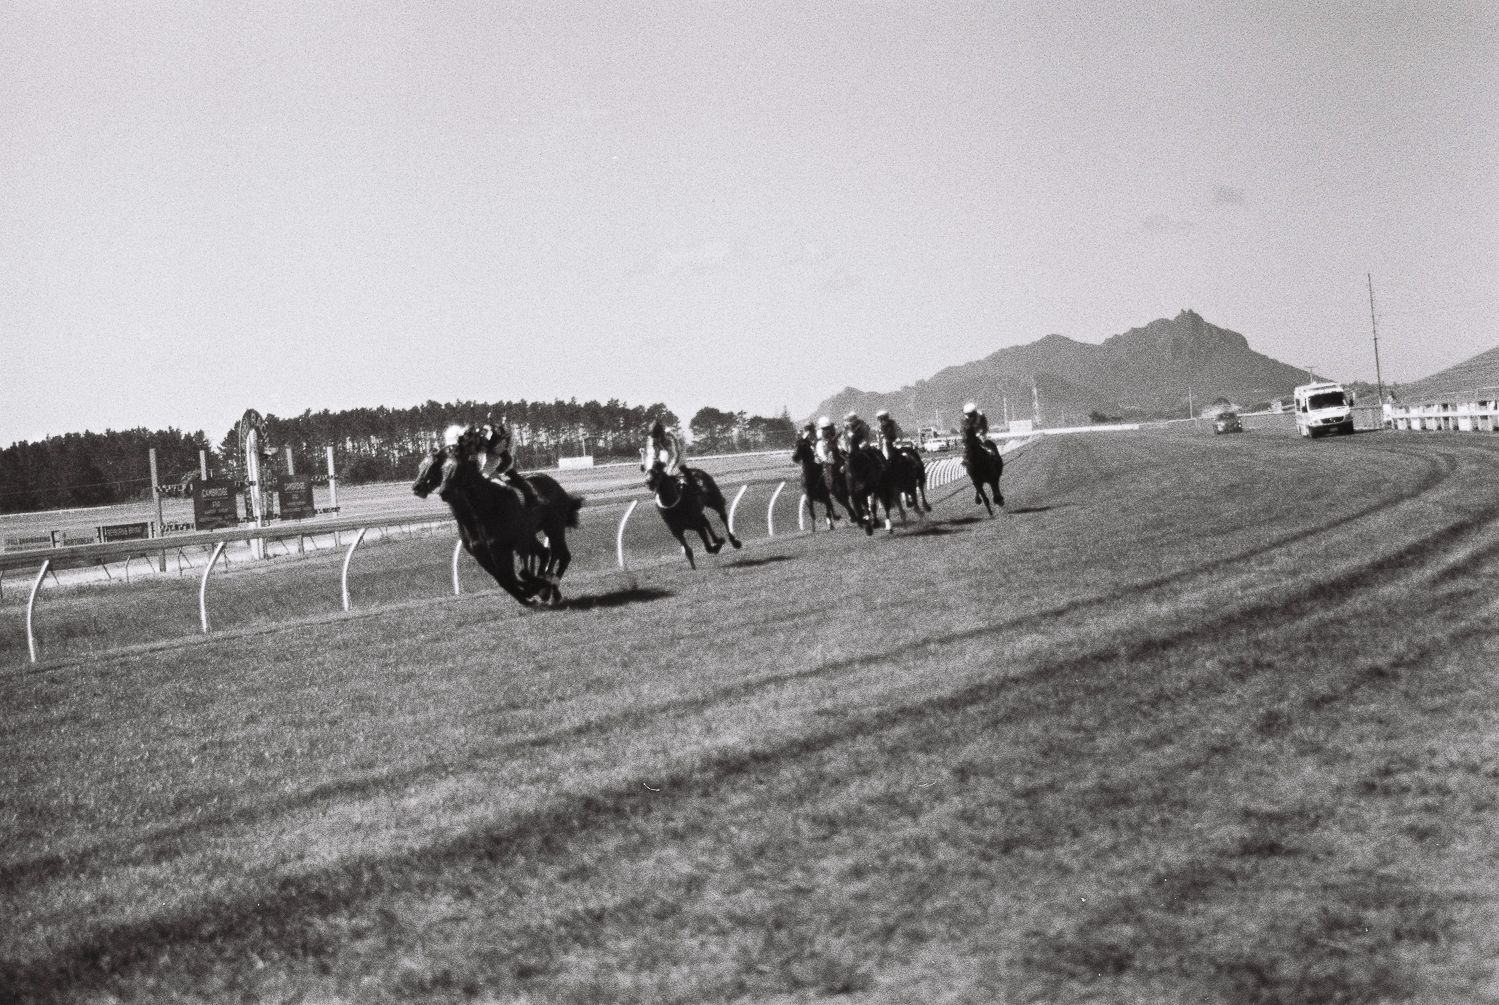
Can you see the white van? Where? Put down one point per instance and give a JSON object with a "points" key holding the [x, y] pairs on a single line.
{"points": [[1323, 408]]}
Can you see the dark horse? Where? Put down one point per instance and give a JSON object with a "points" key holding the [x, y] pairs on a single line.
{"points": [[869, 487], [984, 465], [908, 478], [815, 483], [683, 509], [495, 524]]}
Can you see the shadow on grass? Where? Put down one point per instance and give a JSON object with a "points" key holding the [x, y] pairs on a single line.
{"points": [[750, 563], [618, 598], [931, 530]]}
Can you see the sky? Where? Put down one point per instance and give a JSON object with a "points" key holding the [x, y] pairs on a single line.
{"points": [[206, 208]]}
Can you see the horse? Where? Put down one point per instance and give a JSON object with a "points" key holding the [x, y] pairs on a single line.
{"points": [[869, 486], [984, 467], [908, 477], [815, 483], [495, 524], [684, 510]]}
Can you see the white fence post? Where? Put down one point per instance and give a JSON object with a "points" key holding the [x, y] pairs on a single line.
{"points": [[457, 550], [735, 505], [203, 587], [347, 558], [30, 603], [619, 538], [770, 511], [801, 506]]}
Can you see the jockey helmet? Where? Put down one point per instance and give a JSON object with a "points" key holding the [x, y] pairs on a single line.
{"points": [[451, 434], [883, 413], [970, 408], [824, 423], [851, 416]]}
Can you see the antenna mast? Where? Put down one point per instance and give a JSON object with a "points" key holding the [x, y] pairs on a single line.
{"points": [[1378, 377]]}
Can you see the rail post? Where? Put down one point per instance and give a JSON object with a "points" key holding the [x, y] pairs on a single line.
{"points": [[160, 520], [31, 602], [457, 550], [735, 505], [619, 537], [801, 506], [203, 586], [347, 559], [770, 511]]}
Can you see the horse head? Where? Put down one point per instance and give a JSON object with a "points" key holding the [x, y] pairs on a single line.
{"points": [[429, 474], [663, 486]]}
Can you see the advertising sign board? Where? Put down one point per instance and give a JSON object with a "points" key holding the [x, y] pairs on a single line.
{"points": [[30, 542], [296, 497], [215, 504], [124, 532]]}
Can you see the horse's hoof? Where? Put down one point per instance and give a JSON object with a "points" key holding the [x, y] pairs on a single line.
{"points": [[714, 549], [737, 543]]}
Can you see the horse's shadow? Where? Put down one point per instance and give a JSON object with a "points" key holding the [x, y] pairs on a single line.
{"points": [[931, 530], [748, 563], [616, 598]]}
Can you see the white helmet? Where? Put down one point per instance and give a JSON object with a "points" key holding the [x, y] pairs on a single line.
{"points": [[970, 408], [451, 434], [883, 413], [824, 423]]}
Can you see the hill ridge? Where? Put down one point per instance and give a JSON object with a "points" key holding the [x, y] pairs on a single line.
{"points": [[1150, 371]]}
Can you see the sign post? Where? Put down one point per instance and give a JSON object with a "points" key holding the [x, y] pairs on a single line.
{"points": [[156, 495]]}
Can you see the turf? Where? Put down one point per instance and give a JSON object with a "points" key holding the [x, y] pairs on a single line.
{"points": [[1202, 719]]}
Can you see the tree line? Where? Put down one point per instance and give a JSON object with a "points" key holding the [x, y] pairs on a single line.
{"points": [[369, 444]]}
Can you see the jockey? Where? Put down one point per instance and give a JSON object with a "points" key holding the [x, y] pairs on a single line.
{"points": [[827, 449], [974, 421], [889, 431], [489, 448], [662, 447], [856, 430], [665, 448]]}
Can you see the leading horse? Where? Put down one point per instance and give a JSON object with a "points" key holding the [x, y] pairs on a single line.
{"points": [[984, 465], [495, 524]]}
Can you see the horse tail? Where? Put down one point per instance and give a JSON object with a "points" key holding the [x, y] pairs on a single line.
{"points": [[574, 503]]}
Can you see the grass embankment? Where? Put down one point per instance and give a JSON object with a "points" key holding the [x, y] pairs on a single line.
{"points": [[1203, 719]]}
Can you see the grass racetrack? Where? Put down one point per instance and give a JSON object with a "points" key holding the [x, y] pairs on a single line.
{"points": [[1199, 719]]}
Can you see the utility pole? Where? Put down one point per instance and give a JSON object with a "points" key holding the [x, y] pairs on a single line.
{"points": [[1191, 409], [1035, 403], [1378, 377]]}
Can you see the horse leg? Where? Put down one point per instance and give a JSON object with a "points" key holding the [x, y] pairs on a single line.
{"points": [[718, 507], [677, 532], [504, 574]]}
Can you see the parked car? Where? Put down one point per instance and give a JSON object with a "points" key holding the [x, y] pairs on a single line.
{"points": [[1227, 422]]}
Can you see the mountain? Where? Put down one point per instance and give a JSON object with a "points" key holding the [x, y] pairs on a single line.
{"points": [[1465, 380], [1143, 373]]}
